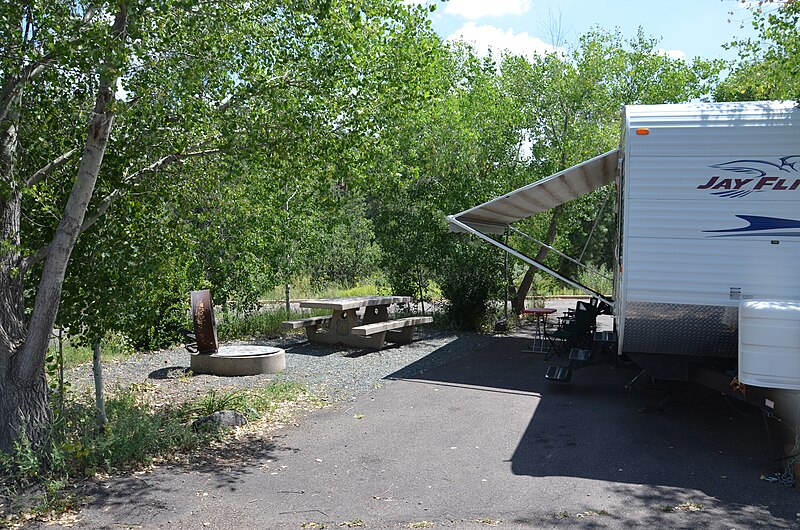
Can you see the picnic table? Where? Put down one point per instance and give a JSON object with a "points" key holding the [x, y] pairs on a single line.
{"points": [[345, 326]]}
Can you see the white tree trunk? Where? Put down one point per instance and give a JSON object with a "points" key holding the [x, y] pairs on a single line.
{"points": [[24, 410], [97, 370]]}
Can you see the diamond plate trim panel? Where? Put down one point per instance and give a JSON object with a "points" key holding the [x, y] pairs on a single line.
{"points": [[681, 329]]}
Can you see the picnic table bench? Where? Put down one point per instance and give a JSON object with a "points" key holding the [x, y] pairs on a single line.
{"points": [[372, 330]]}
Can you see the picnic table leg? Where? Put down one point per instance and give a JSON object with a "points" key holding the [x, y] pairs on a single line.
{"points": [[339, 332], [312, 332], [401, 336], [376, 313], [340, 325]]}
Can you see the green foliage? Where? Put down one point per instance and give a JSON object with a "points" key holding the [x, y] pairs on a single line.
{"points": [[346, 253], [133, 437], [768, 66], [233, 325], [442, 158], [471, 278], [76, 352], [302, 287], [213, 402], [136, 434], [240, 130]]}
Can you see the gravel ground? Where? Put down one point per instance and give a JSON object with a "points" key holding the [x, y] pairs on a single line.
{"points": [[332, 373]]}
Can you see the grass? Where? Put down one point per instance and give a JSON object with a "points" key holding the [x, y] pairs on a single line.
{"points": [[303, 288], [264, 323], [140, 431], [113, 347], [546, 285]]}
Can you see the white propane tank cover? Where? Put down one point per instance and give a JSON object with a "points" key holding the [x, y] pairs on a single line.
{"points": [[769, 343]]}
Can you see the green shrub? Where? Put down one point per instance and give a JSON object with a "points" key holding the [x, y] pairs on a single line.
{"points": [[160, 330], [470, 279], [213, 402]]}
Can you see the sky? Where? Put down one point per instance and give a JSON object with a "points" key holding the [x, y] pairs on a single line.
{"points": [[685, 28]]}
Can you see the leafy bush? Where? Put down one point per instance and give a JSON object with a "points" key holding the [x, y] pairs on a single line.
{"points": [[161, 329], [470, 279]]}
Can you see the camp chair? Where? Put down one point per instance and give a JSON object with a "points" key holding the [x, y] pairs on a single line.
{"points": [[575, 332]]}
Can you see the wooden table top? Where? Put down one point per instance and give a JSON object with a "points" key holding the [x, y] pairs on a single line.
{"points": [[539, 311], [353, 302]]}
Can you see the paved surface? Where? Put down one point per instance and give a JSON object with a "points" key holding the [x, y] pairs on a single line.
{"points": [[483, 440]]}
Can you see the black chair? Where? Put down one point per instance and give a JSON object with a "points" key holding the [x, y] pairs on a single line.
{"points": [[574, 332]]}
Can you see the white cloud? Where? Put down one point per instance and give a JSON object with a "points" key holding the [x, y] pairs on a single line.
{"points": [[672, 54], [475, 9], [485, 36]]}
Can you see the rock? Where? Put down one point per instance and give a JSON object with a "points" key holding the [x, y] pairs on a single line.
{"points": [[221, 418]]}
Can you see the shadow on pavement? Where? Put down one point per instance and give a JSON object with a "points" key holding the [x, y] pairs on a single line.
{"points": [[591, 428], [215, 472]]}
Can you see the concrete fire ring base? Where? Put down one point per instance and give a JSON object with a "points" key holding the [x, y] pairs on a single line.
{"points": [[240, 360]]}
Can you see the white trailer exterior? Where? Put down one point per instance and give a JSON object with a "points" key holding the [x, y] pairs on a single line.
{"points": [[708, 218], [709, 214]]}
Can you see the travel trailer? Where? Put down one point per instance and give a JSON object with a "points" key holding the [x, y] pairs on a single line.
{"points": [[707, 253]]}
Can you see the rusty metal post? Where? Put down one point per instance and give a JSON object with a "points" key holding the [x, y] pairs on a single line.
{"points": [[205, 326]]}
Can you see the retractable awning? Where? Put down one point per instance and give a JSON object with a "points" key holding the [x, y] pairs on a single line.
{"points": [[494, 216]]}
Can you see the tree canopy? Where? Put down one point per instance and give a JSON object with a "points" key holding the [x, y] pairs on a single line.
{"points": [[768, 66], [149, 148]]}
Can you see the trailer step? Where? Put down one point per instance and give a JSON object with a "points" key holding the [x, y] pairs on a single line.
{"points": [[576, 354], [607, 337], [560, 374]]}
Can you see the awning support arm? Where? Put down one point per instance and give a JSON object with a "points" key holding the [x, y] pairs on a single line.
{"points": [[454, 220], [594, 225], [573, 260]]}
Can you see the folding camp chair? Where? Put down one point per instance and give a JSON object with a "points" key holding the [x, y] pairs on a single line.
{"points": [[574, 332]]}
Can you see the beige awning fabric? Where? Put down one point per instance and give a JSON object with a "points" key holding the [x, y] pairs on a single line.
{"points": [[495, 215]]}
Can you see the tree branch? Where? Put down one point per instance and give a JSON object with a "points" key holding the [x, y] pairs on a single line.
{"points": [[12, 85], [170, 159], [106, 202], [49, 168]]}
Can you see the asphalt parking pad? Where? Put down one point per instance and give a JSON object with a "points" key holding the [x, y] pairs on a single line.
{"points": [[701, 449], [479, 440]]}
